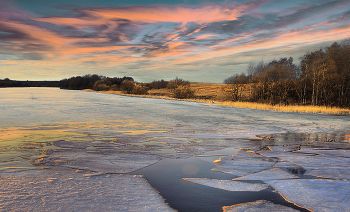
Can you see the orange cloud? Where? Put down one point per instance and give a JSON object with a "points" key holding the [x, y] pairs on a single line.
{"points": [[169, 36], [74, 22], [59, 46], [202, 37], [177, 14], [297, 38]]}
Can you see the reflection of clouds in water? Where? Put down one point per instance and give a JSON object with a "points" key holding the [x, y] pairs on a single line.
{"points": [[190, 169]]}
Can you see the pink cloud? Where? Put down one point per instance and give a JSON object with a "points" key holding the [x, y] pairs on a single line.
{"points": [[202, 37], [178, 14], [298, 38], [155, 14]]}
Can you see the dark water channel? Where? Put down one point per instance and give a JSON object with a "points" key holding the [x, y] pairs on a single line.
{"points": [[167, 177]]}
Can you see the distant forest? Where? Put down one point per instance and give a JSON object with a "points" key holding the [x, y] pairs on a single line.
{"points": [[94, 81], [321, 79], [15, 83]]}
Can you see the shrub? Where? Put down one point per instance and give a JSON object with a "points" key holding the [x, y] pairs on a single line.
{"points": [[127, 86], [102, 85], [115, 87], [182, 92], [177, 82], [140, 89], [158, 84]]}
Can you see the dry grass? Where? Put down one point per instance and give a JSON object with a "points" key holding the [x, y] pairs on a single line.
{"points": [[211, 93], [288, 108], [208, 90]]}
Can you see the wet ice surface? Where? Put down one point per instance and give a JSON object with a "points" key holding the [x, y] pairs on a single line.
{"points": [[329, 191], [316, 195], [51, 190], [73, 130], [244, 163], [98, 161]]}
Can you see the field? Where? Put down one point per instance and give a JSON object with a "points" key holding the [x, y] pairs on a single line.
{"points": [[211, 93]]}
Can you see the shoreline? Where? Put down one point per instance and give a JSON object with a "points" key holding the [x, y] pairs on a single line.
{"points": [[241, 104]]}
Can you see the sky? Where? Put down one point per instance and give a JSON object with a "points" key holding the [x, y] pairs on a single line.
{"points": [[197, 40]]}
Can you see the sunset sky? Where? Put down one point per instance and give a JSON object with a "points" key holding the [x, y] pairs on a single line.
{"points": [[197, 40]]}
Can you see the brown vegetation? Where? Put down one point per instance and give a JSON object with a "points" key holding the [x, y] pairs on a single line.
{"points": [[322, 79], [211, 93]]}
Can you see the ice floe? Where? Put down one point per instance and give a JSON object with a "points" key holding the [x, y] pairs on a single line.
{"points": [[270, 174], [325, 151], [285, 148], [331, 173], [228, 185], [290, 167], [258, 206], [244, 163], [315, 195], [50, 190], [100, 161], [311, 161]]}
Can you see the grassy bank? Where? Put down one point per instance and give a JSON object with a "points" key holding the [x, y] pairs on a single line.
{"points": [[210, 93], [287, 108]]}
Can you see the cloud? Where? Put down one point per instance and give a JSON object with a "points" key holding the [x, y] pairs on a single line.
{"points": [[161, 36], [206, 36], [177, 14]]}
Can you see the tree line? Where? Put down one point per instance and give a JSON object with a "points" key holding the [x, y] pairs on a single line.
{"points": [[179, 87], [322, 79], [92, 81], [16, 83]]}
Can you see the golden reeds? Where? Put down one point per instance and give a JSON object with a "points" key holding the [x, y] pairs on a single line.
{"points": [[287, 108], [251, 105]]}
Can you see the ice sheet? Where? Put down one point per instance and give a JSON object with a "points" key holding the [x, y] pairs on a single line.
{"points": [[314, 163], [69, 191], [285, 148], [100, 161], [331, 173], [325, 151], [228, 185], [290, 167], [315, 195], [270, 174], [123, 124], [257, 206]]}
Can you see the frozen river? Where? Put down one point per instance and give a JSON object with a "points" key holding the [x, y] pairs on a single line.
{"points": [[64, 150]]}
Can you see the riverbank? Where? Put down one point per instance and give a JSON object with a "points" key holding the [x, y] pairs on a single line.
{"points": [[210, 93]]}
